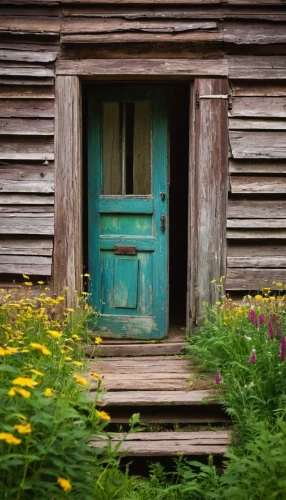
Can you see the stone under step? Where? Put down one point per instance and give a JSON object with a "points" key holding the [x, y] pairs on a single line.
{"points": [[164, 444]]}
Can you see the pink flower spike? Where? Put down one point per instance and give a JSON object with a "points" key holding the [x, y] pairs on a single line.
{"points": [[252, 358], [253, 317], [217, 379], [278, 331], [262, 318], [270, 329], [282, 348]]}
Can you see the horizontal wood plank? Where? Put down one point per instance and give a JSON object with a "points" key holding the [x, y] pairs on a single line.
{"points": [[25, 126], [257, 67], [162, 67], [164, 398], [254, 234], [26, 199], [27, 108], [28, 224], [256, 124], [10, 81], [33, 71], [27, 56], [197, 437], [18, 148], [43, 24], [257, 167], [271, 107], [30, 269], [251, 144], [252, 249], [252, 185], [26, 246], [253, 279], [22, 186], [197, 37], [132, 349], [265, 262], [247, 33], [256, 223], [258, 89], [27, 172], [256, 209], [26, 92]]}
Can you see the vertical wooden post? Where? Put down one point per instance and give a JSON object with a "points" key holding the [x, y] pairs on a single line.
{"points": [[68, 187], [208, 192]]}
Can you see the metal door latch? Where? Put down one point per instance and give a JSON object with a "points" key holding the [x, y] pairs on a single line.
{"points": [[163, 220], [214, 96]]}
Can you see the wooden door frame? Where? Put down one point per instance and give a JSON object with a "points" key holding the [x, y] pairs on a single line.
{"points": [[208, 164]]}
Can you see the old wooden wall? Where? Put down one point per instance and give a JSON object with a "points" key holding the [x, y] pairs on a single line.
{"points": [[249, 35]]}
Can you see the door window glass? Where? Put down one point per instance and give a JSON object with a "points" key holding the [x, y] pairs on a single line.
{"points": [[126, 148]]}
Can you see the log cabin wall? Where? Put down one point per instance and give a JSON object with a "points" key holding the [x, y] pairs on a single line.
{"points": [[249, 35]]}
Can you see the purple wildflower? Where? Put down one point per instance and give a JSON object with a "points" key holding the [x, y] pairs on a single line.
{"points": [[262, 318], [253, 317], [278, 331], [252, 358], [217, 379], [282, 348], [270, 329]]}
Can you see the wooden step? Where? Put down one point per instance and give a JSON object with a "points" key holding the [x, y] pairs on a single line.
{"points": [[154, 444], [134, 349], [175, 414], [158, 398]]}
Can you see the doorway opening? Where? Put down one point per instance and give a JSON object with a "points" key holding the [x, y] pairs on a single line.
{"points": [[178, 158]]}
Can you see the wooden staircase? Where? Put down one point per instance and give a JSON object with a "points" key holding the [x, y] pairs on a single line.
{"points": [[168, 390]]}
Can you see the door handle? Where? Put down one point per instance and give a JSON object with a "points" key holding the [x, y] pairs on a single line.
{"points": [[163, 220]]}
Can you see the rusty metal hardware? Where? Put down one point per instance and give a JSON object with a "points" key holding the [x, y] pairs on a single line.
{"points": [[121, 250], [163, 220], [227, 97], [163, 196]]}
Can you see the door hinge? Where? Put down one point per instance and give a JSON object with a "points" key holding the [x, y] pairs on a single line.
{"points": [[220, 96]]}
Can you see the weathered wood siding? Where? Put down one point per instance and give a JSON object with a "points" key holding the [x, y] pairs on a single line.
{"points": [[242, 39]]}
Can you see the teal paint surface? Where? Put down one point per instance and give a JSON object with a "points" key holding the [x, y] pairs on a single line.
{"points": [[126, 283], [131, 292]]}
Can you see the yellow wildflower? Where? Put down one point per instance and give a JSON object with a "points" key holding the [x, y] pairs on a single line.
{"points": [[49, 392], [258, 297], [213, 281], [96, 375], [75, 337], [60, 298], [54, 334], [218, 303], [87, 275], [17, 390], [24, 382], [80, 380], [23, 429], [70, 309], [68, 358], [66, 348], [41, 348], [28, 283], [8, 350], [9, 438], [40, 282], [279, 284], [37, 373], [26, 277], [103, 415], [64, 484], [98, 340], [25, 350], [77, 363]]}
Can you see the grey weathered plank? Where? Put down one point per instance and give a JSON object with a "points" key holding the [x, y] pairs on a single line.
{"points": [[22, 259], [28, 186], [251, 144], [27, 56], [256, 124], [257, 67], [271, 107], [253, 279], [197, 437], [252, 185], [164, 67], [31, 269], [33, 71], [18, 148], [166, 448], [68, 263], [255, 209], [134, 350], [27, 224], [264, 33], [27, 108], [256, 223], [252, 249], [25, 172], [10, 82], [208, 181], [257, 167], [24, 91], [26, 246], [24, 24], [170, 383], [253, 234], [261, 89], [264, 262], [25, 126], [26, 199], [164, 398]]}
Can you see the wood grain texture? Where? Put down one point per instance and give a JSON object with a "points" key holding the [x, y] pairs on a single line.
{"points": [[255, 209], [25, 199], [21, 70], [268, 107], [249, 33], [127, 67], [256, 223], [68, 216], [20, 148], [265, 262], [246, 184], [197, 37], [41, 224], [44, 24], [261, 89], [210, 189], [162, 398], [257, 167], [26, 246], [23, 91], [10, 81], [253, 279], [25, 126], [257, 67], [256, 124], [132, 349], [30, 269], [259, 145], [27, 56], [28, 108], [254, 234]]}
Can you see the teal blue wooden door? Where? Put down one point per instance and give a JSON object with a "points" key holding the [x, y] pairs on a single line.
{"points": [[128, 210]]}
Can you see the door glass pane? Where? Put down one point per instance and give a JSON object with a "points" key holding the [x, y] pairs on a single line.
{"points": [[112, 148], [127, 148]]}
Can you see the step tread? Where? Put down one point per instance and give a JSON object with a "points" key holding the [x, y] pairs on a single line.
{"points": [[164, 398], [170, 443], [111, 350]]}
